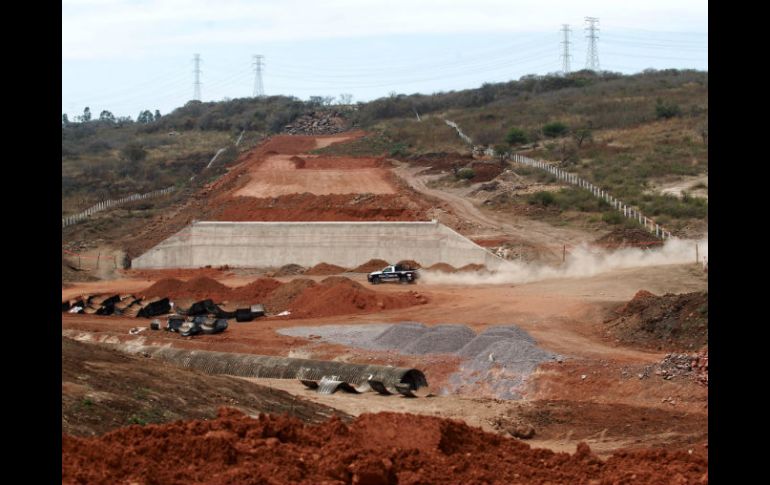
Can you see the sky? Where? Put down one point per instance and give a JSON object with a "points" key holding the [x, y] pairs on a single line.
{"points": [[126, 56]]}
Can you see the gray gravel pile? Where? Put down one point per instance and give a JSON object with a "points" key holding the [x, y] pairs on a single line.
{"points": [[399, 335], [441, 339], [350, 335], [501, 368], [509, 331]]}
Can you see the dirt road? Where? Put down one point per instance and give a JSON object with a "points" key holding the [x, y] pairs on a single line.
{"points": [[490, 224]]}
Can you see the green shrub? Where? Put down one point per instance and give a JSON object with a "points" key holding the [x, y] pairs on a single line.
{"points": [[516, 136], [465, 174], [665, 110], [542, 198], [612, 217], [557, 128]]}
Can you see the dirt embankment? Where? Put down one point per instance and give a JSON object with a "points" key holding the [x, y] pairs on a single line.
{"points": [[668, 322], [94, 401], [332, 207], [382, 448]]}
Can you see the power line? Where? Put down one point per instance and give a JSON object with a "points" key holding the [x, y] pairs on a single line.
{"points": [[565, 50], [592, 56]]}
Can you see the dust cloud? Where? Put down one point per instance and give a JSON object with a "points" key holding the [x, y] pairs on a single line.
{"points": [[583, 261]]}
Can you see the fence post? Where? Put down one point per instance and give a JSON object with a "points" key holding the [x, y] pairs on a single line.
{"points": [[697, 259], [564, 253], [98, 256]]}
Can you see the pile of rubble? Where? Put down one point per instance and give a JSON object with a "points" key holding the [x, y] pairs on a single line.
{"points": [[695, 366], [688, 366], [318, 123]]}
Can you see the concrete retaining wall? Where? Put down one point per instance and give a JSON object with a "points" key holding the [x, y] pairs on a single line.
{"points": [[347, 244]]}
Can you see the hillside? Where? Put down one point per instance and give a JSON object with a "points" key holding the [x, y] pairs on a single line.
{"points": [[637, 137]]}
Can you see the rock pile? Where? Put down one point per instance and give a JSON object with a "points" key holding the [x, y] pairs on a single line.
{"points": [[318, 123], [695, 366]]}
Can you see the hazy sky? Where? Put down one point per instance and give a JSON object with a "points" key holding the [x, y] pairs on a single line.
{"points": [[130, 55]]}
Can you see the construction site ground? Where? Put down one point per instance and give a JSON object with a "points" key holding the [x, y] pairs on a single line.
{"points": [[598, 394]]}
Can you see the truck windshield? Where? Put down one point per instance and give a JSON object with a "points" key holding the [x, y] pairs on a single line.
{"points": [[389, 269]]}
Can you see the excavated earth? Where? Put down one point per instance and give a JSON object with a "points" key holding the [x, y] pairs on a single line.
{"points": [[375, 449]]}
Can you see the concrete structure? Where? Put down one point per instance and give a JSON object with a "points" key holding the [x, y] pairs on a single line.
{"points": [[346, 244]]}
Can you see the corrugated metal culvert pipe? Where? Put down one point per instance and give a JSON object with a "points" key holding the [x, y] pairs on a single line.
{"points": [[394, 379]]}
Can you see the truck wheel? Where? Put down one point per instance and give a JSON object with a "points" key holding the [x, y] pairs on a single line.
{"points": [[403, 280], [376, 280]]}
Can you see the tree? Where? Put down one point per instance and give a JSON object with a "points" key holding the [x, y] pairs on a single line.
{"points": [[665, 110], [157, 115], [582, 134], [64, 119], [567, 153], [704, 132], [145, 117], [502, 152], [86, 115], [134, 152], [106, 116], [346, 98], [516, 136], [554, 129], [316, 100]]}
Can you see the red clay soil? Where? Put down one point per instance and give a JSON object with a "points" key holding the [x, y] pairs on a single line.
{"points": [[410, 263], [371, 265], [446, 268], [298, 162], [338, 295], [375, 449], [485, 171], [473, 267], [163, 288], [283, 296], [628, 237], [197, 288], [311, 207], [325, 269], [255, 291]]}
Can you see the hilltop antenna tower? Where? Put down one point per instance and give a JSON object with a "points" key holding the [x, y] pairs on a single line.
{"points": [[197, 83], [565, 56], [259, 89], [592, 56]]}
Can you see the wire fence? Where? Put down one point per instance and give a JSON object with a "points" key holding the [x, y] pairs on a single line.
{"points": [[109, 203], [570, 178]]}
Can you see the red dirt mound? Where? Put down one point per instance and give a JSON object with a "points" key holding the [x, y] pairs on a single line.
{"points": [[196, 289], [668, 322], [298, 162], [338, 295], [371, 265], [257, 290], [163, 288], [628, 237], [410, 263], [280, 299], [289, 270], [446, 268], [473, 267], [323, 269], [234, 448], [485, 171]]}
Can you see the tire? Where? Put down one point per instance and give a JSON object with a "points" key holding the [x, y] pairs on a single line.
{"points": [[376, 280], [403, 280]]}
